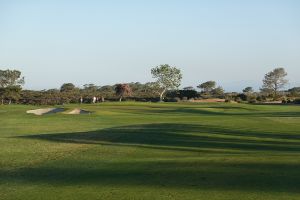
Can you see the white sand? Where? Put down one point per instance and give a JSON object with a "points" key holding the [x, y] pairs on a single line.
{"points": [[44, 111], [78, 111]]}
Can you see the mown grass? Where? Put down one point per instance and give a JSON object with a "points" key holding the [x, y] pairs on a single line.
{"points": [[151, 151]]}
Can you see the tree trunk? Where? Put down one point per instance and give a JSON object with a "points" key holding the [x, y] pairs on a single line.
{"points": [[275, 91], [2, 101], [9, 102], [161, 95], [120, 98]]}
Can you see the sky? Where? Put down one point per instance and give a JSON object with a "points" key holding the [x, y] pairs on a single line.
{"points": [[105, 42]]}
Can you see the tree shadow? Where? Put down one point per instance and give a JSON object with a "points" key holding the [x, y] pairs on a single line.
{"points": [[249, 175], [220, 111], [241, 112], [204, 175], [188, 137]]}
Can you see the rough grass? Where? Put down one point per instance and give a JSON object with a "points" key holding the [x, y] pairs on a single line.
{"points": [[151, 151]]}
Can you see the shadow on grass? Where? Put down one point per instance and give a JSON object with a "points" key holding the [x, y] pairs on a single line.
{"points": [[231, 111], [262, 177], [188, 137], [213, 111], [175, 173]]}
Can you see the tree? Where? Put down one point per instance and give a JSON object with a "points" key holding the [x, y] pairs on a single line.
{"points": [[274, 81], [248, 90], [187, 94], [189, 88], [69, 93], [153, 88], [10, 78], [51, 97], [12, 93], [207, 87], [107, 91], [218, 91], [2, 94], [122, 90], [90, 90], [295, 91], [167, 78], [91, 87], [67, 87], [10, 84]]}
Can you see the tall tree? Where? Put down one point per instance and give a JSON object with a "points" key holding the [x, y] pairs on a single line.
{"points": [[2, 94], [10, 84], [248, 90], [218, 91], [67, 87], [69, 93], [207, 86], [122, 90], [90, 90], [167, 78], [274, 81], [91, 87], [11, 78], [12, 93], [107, 91], [295, 91], [189, 88]]}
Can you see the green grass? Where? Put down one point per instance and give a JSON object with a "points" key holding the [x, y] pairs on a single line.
{"points": [[151, 151]]}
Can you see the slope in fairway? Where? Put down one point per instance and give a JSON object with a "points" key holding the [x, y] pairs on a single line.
{"points": [[151, 151]]}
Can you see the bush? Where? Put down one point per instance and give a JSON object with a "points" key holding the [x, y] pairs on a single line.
{"points": [[182, 94], [261, 98], [252, 101], [184, 98], [284, 101], [297, 101], [238, 99], [242, 96], [175, 99]]}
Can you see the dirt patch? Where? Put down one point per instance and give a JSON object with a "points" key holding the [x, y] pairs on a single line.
{"points": [[78, 111], [44, 111]]}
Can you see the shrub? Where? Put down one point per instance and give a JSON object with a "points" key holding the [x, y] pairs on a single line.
{"points": [[175, 99], [284, 101], [184, 98], [252, 101], [238, 99], [242, 96], [297, 101], [261, 98]]}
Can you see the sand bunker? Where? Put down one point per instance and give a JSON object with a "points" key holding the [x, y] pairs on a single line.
{"points": [[78, 111], [44, 111]]}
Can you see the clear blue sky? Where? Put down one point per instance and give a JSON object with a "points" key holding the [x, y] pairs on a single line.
{"points": [[104, 42]]}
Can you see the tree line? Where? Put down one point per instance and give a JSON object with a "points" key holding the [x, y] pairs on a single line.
{"points": [[164, 88]]}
